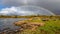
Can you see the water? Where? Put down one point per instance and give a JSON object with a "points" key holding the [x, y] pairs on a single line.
{"points": [[8, 22]]}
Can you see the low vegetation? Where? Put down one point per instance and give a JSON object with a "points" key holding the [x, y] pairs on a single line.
{"points": [[38, 25], [31, 16]]}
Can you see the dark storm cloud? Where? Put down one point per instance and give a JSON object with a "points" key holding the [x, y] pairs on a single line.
{"points": [[52, 5]]}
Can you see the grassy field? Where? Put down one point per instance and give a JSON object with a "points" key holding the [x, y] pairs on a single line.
{"points": [[39, 25], [50, 26]]}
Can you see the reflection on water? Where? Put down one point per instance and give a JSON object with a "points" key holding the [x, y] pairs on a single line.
{"points": [[8, 22]]}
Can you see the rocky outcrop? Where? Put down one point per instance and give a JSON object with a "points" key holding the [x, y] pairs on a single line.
{"points": [[29, 25]]}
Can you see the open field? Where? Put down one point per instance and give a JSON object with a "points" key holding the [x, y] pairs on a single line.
{"points": [[38, 25]]}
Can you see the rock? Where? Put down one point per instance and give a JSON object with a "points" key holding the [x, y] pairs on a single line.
{"points": [[45, 19], [29, 25], [19, 23], [37, 24]]}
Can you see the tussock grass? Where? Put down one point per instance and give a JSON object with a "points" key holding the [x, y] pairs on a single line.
{"points": [[52, 26]]}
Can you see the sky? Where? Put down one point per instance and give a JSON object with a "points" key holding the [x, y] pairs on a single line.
{"points": [[52, 5]]}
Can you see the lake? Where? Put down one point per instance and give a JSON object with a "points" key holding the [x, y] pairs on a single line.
{"points": [[8, 22]]}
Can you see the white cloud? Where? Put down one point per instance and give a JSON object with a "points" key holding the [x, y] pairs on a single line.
{"points": [[30, 2], [52, 5], [25, 10], [14, 11], [6, 11]]}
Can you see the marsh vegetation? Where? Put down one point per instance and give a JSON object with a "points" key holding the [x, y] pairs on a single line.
{"points": [[36, 25]]}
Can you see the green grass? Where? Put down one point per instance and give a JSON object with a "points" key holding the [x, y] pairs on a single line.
{"points": [[51, 27]]}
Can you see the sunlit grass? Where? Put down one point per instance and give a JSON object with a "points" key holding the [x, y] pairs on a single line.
{"points": [[52, 26]]}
